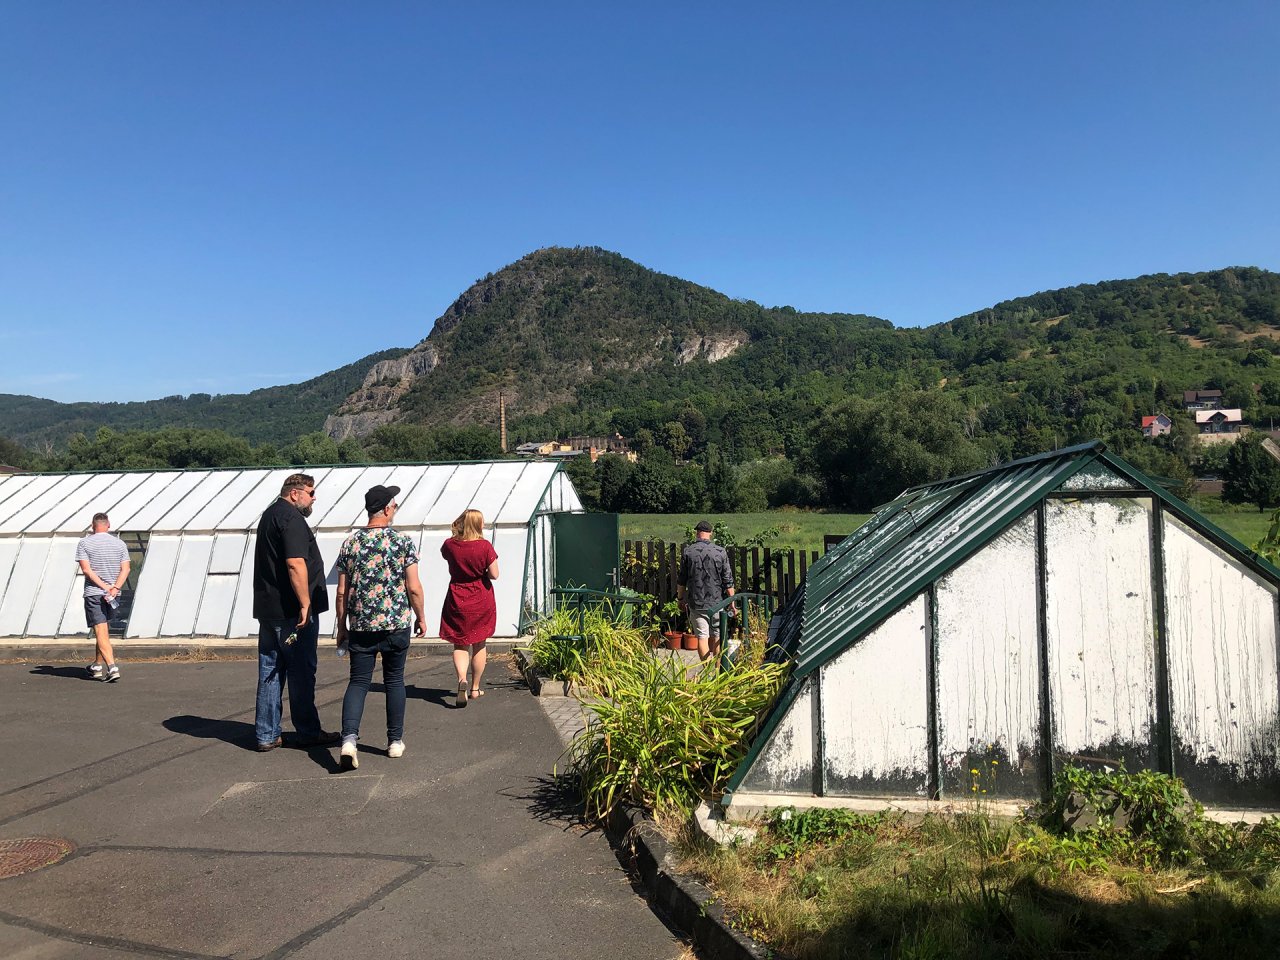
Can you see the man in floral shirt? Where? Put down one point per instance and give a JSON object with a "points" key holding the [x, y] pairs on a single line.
{"points": [[378, 586]]}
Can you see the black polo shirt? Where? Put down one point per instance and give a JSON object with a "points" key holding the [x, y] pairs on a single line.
{"points": [[283, 534]]}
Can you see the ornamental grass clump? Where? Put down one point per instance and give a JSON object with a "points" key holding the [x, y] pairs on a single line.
{"points": [[664, 737], [568, 645]]}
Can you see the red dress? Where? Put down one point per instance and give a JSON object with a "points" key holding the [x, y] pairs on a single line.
{"points": [[470, 612]]}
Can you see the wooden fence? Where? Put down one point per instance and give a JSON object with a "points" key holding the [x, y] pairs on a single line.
{"points": [[652, 566]]}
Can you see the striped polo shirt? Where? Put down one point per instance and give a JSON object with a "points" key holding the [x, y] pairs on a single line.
{"points": [[105, 553]]}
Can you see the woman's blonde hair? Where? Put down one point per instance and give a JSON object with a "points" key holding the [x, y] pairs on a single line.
{"points": [[469, 525]]}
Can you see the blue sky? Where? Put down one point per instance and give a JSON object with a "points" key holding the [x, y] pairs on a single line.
{"points": [[217, 196]]}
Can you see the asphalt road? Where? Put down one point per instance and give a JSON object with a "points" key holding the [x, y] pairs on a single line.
{"points": [[191, 844]]}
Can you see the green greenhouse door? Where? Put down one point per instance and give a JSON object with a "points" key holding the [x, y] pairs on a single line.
{"points": [[586, 550]]}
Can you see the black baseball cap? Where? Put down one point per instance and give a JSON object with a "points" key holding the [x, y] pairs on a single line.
{"points": [[377, 498], [704, 526]]}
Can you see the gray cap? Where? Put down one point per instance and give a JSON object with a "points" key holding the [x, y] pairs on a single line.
{"points": [[703, 526]]}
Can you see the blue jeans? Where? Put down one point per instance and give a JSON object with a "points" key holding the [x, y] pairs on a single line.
{"points": [[295, 664], [364, 647]]}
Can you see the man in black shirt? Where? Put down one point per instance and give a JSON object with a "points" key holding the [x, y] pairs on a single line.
{"points": [[288, 596]]}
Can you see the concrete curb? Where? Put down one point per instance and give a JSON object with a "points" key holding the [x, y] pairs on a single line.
{"points": [[690, 905], [540, 685], [211, 649]]}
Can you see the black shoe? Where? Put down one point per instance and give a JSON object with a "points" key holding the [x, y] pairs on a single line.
{"points": [[264, 747], [324, 738]]}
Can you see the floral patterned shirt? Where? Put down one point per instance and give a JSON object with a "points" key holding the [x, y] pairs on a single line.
{"points": [[375, 560]]}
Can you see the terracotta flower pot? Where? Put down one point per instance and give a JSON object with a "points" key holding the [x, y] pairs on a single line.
{"points": [[673, 639], [691, 641]]}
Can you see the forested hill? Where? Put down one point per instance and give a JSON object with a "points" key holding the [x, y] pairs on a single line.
{"points": [[277, 415], [555, 323], [584, 341]]}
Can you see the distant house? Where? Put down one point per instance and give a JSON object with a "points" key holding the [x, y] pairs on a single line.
{"points": [[547, 448], [5, 469], [1218, 421], [1202, 400], [595, 446], [1156, 426]]}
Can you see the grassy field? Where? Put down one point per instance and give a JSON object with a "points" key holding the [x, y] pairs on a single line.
{"points": [[804, 529]]}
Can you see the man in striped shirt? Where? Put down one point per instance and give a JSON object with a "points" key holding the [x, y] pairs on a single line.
{"points": [[105, 562]]}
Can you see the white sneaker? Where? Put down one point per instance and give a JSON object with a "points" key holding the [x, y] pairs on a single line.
{"points": [[395, 750], [349, 759]]}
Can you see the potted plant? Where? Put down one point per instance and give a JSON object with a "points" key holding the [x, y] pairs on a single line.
{"points": [[672, 621]]}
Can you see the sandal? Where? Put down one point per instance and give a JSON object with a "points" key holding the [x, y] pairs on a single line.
{"points": [[475, 692], [461, 700]]}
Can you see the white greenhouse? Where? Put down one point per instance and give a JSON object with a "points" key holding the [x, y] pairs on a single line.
{"points": [[979, 633], [191, 537]]}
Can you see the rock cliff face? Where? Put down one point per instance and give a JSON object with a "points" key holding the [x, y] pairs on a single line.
{"points": [[535, 332], [376, 400], [710, 349]]}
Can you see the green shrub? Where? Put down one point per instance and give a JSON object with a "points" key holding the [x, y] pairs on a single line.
{"points": [[662, 737]]}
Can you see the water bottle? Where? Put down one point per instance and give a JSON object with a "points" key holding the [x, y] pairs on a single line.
{"points": [[342, 650]]}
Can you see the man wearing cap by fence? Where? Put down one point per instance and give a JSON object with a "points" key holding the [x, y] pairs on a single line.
{"points": [[705, 579]]}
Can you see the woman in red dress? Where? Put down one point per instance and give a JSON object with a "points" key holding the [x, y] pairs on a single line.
{"points": [[470, 613]]}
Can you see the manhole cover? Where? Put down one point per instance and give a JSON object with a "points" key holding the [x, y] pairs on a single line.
{"points": [[31, 853]]}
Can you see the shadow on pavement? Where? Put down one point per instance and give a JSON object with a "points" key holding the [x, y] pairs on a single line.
{"points": [[68, 673], [436, 695], [238, 733], [553, 800]]}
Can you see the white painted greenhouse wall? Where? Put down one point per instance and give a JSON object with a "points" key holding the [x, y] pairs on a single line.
{"points": [[196, 579], [786, 764], [874, 708], [1221, 622], [989, 658], [1100, 621]]}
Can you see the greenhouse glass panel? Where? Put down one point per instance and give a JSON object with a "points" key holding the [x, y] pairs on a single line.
{"points": [[209, 516], [525, 496], [228, 553], [874, 710], [242, 622], [29, 489], [178, 517], [1096, 476], [48, 500], [434, 574], [246, 513], [989, 670], [330, 545], [510, 545], [132, 502], [1099, 611], [79, 505], [458, 494], [189, 577], [24, 580], [1221, 623], [174, 489], [153, 586], [415, 509], [215, 605], [346, 508], [72, 621], [51, 598], [495, 490]]}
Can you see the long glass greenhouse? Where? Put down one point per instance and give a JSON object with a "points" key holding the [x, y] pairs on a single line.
{"points": [[191, 539]]}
